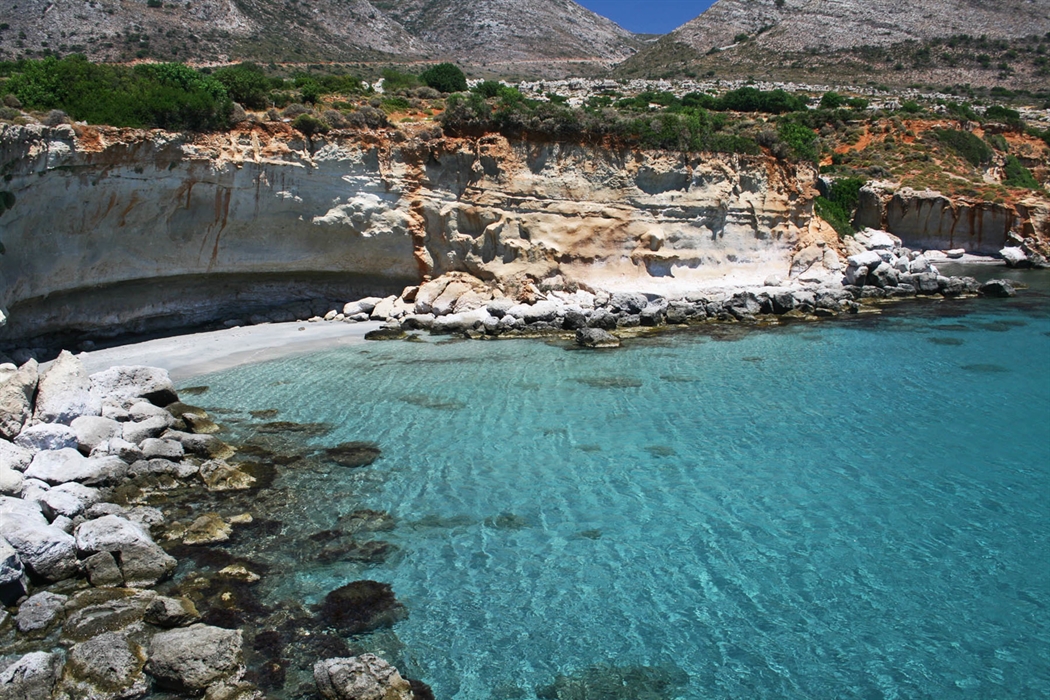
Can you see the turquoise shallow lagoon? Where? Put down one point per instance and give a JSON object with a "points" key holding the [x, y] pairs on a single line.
{"points": [[852, 509]]}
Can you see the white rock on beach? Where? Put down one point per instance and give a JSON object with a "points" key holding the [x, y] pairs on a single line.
{"points": [[17, 387], [45, 550], [93, 430], [47, 436], [14, 457], [64, 392], [135, 382], [10, 482], [142, 562], [60, 466]]}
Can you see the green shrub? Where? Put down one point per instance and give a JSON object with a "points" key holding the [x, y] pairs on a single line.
{"points": [[162, 95], [997, 141], [910, 107], [831, 100], [445, 77], [309, 125], [1016, 175], [749, 99], [840, 204], [395, 104], [857, 103], [801, 139], [394, 80], [245, 83], [972, 149]]}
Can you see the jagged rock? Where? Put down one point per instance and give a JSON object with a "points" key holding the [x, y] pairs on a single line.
{"points": [[874, 239], [106, 667], [61, 466], [1015, 257], [365, 677], [70, 499], [17, 389], [385, 333], [120, 448], [596, 338], [362, 306], [194, 657], [11, 482], [460, 322], [39, 611], [207, 529], [64, 392], [14, 457], [919, 265], [32, 677], [998, 288], [98, 610], [13, 581], [103, 571], [115, 410], [144, 410], [47, 436], [743, 305], [217, 475], [136, 432], [45, 550], [884, 275], [171, 612], [156, 448], [602, 318], [93, 430], [206, 446], [142, 562], [627, 302], [134, 382]]}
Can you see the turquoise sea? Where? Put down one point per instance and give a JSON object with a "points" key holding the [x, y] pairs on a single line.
{"points": [[846, 509]]}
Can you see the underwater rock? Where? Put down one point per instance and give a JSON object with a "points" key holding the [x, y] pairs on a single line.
{"points": [[99, 610], [507, 521], [606, 682], [218, 475], [171, 612], [283, 426], [192, 658], [361, 606], [596, 338], [209, 528], [610, 382], [365, 677], [386, 333], [371, 552], [239, 572], [366, 520], [353, 454]]}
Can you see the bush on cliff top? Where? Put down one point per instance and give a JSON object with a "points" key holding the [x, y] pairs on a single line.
{"points": [[161, 95], [972, 149], [444, 77]]}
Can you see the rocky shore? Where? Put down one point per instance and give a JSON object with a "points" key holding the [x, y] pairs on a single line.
{"points": [[89, 610], [881, 269]]}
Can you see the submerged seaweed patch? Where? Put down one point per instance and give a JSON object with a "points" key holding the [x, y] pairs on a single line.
{"points": [[660, 450], [607, 682], [424, 401], [610, 382], [283, 426], [986, 368], [938, 340], [353, 454], [193, 390]]}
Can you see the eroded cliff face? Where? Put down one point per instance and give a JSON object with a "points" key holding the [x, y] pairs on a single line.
{"points": [[931, 220], [115, 227]]}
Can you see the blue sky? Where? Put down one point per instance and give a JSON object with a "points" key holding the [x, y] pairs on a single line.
{"points": [[648, 16]]}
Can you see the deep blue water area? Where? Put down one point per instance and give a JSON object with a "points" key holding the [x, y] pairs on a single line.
{"points": [[855, 508]]}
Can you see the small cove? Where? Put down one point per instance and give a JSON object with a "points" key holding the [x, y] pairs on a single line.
{"points": [[843, 509]]}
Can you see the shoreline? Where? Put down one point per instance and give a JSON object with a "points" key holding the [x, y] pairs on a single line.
{"points": [[194, 354]]}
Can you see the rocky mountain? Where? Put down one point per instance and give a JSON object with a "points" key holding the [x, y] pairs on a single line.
{"points": [[324, 30], [849, 38], [507, 30]]}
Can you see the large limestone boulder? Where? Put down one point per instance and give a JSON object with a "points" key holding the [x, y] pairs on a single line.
{"points": [[107, 667], [365, 677], [70, 499], [14, 457], [135, 382], [91, 431], [64, 392], [61, 466], [30, 678], [195, 657], [13, 581], [17, 389], [11, 482], [45, 550], [142, 562], [47, 436]]}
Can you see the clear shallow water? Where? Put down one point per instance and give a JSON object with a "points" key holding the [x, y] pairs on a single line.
{"points": [[847, 509]]}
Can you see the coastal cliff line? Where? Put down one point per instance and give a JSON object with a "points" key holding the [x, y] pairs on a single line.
{"points": [[140, 230]]}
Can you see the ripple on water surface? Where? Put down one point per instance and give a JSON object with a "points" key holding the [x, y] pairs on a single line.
{"points": [[841, 510]]}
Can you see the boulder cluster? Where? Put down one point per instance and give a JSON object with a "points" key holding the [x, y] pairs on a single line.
{"points": [[76, 569]]}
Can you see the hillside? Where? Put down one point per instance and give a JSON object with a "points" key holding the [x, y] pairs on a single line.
{"points": [[326, 30], [895, 41]]}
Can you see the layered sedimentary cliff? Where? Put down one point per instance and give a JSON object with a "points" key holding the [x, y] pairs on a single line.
{"points": [[121, 228]]}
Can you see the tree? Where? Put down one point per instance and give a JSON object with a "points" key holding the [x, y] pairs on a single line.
{"points": [[445, 77]]}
